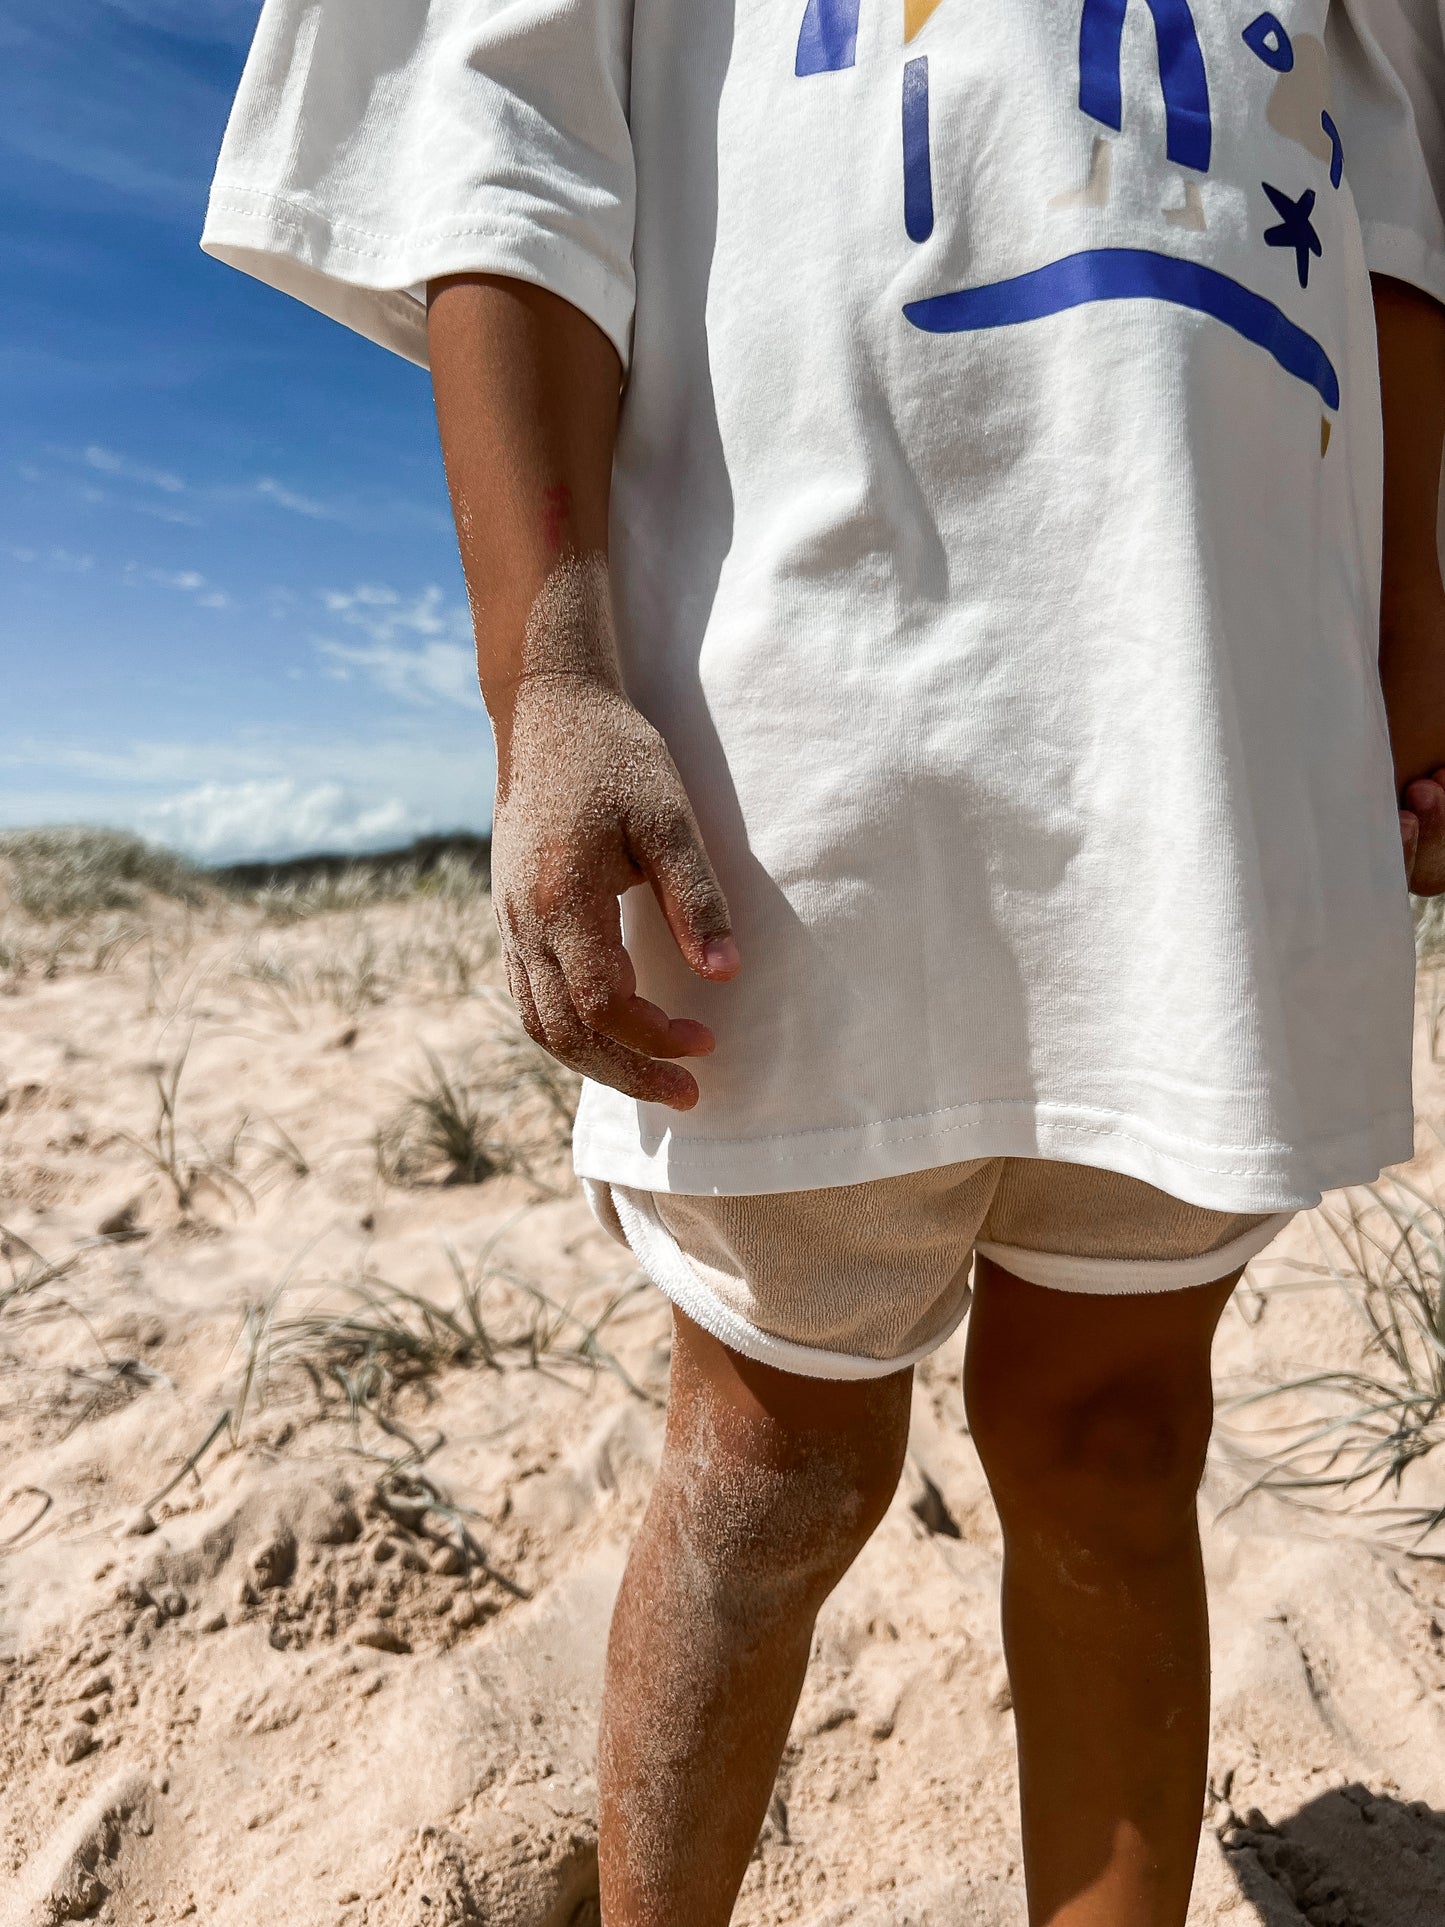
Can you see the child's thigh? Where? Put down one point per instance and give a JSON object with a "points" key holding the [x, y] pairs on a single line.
{"points": [[1056, 1341], [757, 1412]]}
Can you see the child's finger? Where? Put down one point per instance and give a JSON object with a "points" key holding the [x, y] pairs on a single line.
{"points": [[1425, 801], [1425, 798], [603, 987], [587, 943], [690, 896], [575, 1043], [1410, 841]]}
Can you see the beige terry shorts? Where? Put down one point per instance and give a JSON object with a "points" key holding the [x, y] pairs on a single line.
{"points": [[862, 1279]]}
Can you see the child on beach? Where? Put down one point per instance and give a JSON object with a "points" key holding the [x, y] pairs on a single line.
{"points": [[918, 470]]}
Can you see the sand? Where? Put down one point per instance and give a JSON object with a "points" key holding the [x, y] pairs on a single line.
{"points": [[345, 1668]]}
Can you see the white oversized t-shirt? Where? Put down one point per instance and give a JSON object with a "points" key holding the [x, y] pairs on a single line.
{"points": [[995, 534]]}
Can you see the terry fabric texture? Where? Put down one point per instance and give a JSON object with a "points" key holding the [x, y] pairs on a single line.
{"points": [[862, 1280], [995, 533]]}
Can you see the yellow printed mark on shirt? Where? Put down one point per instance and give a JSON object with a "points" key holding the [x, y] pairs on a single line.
{"points": [[916, 15]]}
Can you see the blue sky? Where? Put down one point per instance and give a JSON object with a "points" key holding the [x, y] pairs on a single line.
{"points": [[231, 613]]}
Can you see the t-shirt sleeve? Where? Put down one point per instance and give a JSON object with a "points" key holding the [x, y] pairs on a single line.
{"points": [[377, 144], [1387, 62]]}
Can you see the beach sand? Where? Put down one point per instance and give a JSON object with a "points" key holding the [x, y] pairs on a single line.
{"points": [[345, 1668]]}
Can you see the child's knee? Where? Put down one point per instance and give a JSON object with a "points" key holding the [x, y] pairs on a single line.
{"points": [[1112, 1464], [768, 1514]]}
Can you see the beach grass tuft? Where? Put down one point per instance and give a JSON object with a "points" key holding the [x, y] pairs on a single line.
{"points": [[1352, 1435], [55, 874], [448, 1130], [365, 1339]]}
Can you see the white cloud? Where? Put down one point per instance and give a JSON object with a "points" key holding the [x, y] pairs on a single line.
{"points": [[438, 672], [385, 613], [140, 498], [229, 822], [288, 498], [183, 581], [67, 560], [402, 764], [109, 463], [262, 792], [178, 518], [442, 668]]}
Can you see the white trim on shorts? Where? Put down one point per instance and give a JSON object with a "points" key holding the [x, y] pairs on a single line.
{"points": [[1124, 1277]]}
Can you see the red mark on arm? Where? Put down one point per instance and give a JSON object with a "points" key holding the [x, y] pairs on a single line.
{"points": [[556, 508]]}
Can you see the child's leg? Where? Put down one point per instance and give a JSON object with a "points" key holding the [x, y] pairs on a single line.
{"points": [[769, 1486], [1092, 1414]]}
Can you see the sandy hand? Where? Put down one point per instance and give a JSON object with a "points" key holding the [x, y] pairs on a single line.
{"points": [[589, 803], [1422, 830]]}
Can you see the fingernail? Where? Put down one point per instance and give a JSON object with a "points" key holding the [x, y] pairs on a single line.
{"points": [[720, 955]]}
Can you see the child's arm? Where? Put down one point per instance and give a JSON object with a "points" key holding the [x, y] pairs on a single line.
{"points": [[1412, 604], [588, 800]]}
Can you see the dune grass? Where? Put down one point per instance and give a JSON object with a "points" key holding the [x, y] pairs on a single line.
{"points": [[179, 1154], [358, 1345], [449, 1130], [28, 1272], [80, 899], [446, 946], [68, 872], [465, 1123], [1352, 1435], [363, 1340], [1429, 928], [256, 1153], [316, 932], [362, 883]]}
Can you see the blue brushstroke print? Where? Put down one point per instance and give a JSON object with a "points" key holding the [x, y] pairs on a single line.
{"points": [[1337, 148], [828, 38], [1133, 274], [1188, 132], [917, 165]]}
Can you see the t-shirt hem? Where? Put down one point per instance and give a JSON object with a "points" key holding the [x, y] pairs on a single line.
{"points": [[374, 283], [1405, 256], [1219, 1177]]}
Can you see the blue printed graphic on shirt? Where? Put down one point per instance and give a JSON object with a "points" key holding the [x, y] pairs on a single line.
{"points": [[828, 39], [1297, 107], [1189, 131], [917, 159]]}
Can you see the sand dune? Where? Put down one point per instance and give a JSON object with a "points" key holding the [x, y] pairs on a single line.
{"points": [[345, 1668]]}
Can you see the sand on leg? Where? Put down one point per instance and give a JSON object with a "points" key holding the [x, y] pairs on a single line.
{"points": [[770, 1485], [1092, 1415]]}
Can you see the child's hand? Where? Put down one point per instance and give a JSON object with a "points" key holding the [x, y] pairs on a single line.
{"points": [[1422, 830], [589, 803]]}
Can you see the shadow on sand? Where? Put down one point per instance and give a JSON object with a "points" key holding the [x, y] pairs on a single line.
{"points": [[1349, 1858]]}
